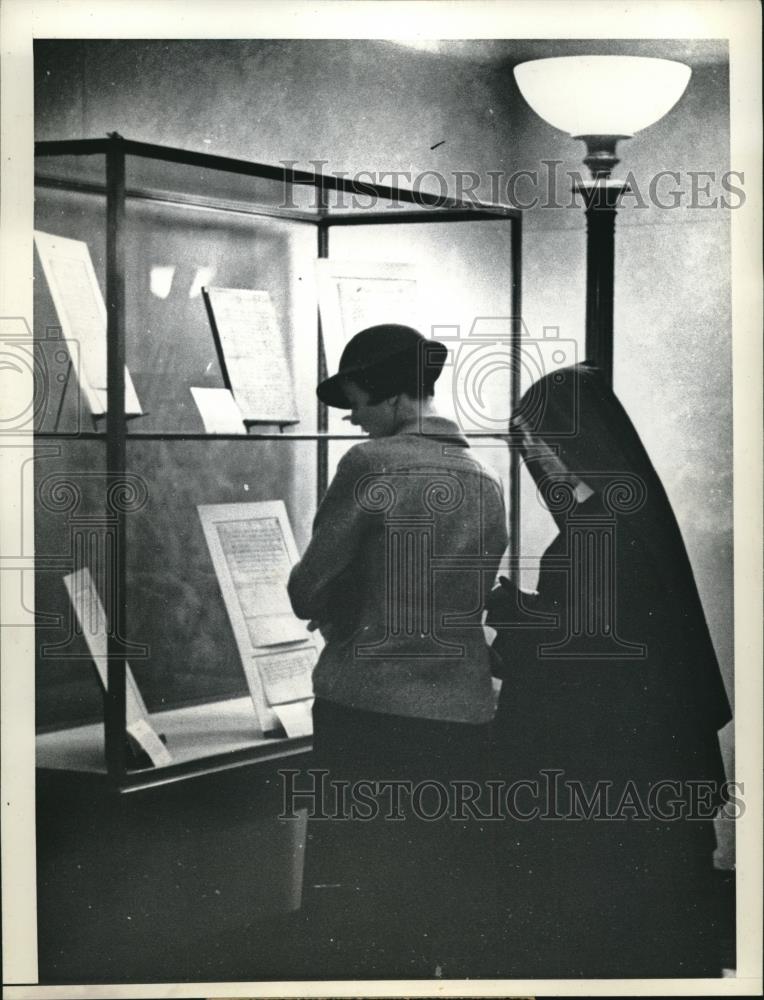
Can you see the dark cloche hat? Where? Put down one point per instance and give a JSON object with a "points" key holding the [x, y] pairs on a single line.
{"points": [[388, 358]]}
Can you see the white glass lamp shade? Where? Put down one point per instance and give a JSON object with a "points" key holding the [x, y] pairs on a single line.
{"points": [[602, 95]]}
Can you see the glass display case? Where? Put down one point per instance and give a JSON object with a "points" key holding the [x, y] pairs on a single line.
{"points": [[118, 493]]}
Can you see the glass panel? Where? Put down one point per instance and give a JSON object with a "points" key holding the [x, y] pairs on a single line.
{"points": [[74, 215], [200, 183], [175, 606], [70, 496], [175, 609], [75, 170], [397, 197], [464, 280], [463, 273], [172, 253], [71, 529], [537, 530], [336, 450]]}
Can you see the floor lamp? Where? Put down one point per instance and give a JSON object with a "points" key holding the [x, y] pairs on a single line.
{"points": [[601, 99]]}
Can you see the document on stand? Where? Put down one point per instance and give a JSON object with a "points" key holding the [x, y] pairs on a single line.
{"points": [[91, 618], [296, 718], [81, 312], [257, 559], [218, 411], [286, 681], [251, 353], [355, 294], [286, 675], [253, 551]]}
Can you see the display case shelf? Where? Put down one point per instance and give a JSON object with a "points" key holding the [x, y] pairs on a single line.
{"points": [[205, 738]]}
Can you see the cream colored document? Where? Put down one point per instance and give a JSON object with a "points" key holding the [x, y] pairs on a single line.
{"points": [[355, 294], [252, 351], [81, 312], [91, 618], [253, 551], [286, 675], [296, 718], [218, 411]]}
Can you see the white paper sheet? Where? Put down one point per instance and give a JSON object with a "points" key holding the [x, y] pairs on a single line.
{"points": [[265, 595], [253, 551], [286, 675], [256, 555], [91, 618], [253, 349], [218, 411], [296, 718], [81, 312], [273, 630]]}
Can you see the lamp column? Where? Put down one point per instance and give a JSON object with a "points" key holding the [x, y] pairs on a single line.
{"points": [[601, 197]]}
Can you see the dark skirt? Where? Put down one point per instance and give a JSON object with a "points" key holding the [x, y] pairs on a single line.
{"points": [[402, 888], [627, 896]]}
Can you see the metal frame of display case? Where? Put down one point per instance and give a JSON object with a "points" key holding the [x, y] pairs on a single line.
{"points": [[429, 209]]}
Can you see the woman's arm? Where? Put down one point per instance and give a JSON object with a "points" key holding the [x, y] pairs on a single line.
{"points": [[337, 530]]}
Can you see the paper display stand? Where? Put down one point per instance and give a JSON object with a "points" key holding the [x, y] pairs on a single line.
{"points": [[81, 312], [251, 353], [218, 411], [253, 551], [91, 619]]}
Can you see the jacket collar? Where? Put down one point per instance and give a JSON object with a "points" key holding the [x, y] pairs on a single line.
{"points": [[435, 427]]}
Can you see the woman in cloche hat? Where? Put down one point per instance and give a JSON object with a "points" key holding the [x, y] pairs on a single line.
{"points": [[406, 544]]}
